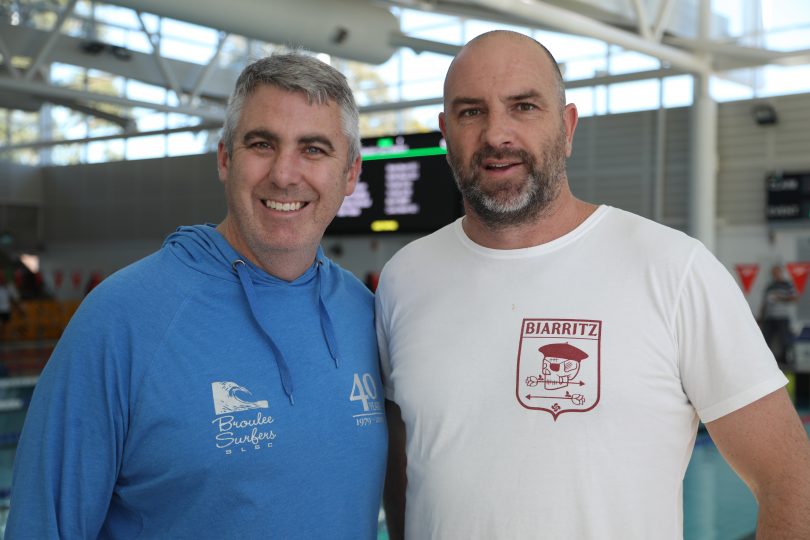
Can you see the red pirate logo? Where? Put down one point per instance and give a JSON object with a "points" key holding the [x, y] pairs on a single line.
{"points": [[558, 365]]}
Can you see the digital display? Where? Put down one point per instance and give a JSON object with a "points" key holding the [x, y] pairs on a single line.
{"points": [[405, 186], [788, 196]]}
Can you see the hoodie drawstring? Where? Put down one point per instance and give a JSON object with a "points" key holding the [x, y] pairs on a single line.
{"points": [[250, 293], [326, 320]]}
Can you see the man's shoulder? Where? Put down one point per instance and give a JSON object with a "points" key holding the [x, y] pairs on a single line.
{"points": [[139, 286], [644, 226], [127, 311], [349, 284], [640, 233], [424, 248]]}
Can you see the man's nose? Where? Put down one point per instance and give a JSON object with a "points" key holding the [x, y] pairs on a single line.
{"points": [[285, 169], [499, 129]]}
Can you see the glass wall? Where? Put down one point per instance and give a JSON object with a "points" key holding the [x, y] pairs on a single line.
{"points": [[94, 136]]}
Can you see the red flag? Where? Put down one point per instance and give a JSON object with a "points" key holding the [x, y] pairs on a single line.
{"points": [[58, 277], [748, 273], [798, 272]]}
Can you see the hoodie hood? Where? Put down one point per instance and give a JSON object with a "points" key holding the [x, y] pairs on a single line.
{"points": [[204, 249]]}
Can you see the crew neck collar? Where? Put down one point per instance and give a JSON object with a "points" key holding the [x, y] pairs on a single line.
{"points": [[531, 251]]}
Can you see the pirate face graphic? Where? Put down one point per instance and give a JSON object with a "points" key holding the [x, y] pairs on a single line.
{"points": [[558, 365]]}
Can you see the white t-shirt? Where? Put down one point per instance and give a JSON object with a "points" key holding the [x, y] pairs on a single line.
{"points": [[555, 391]]}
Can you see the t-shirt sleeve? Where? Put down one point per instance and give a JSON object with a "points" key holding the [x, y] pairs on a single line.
{"points": [[381, 318], [71, 445], [724, 361]]}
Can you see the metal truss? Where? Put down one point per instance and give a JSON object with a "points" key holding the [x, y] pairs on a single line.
{"points": [[200, 91]]}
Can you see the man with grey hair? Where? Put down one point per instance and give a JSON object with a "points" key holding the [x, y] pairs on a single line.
{"points": [[228, 383], [547, 360]]}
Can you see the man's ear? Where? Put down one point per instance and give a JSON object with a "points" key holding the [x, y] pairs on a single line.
{"points": [[570, 119], [223, 161], [443, 129], [353, 174]]}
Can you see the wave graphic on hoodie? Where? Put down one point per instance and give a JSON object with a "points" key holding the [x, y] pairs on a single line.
{"points": [[226, 398]]}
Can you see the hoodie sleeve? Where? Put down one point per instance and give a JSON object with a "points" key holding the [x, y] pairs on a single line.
{"points": [[73, 437]]}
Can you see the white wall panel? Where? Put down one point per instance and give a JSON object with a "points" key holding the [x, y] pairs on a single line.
{"points": [[748, 152], [614, 162]]}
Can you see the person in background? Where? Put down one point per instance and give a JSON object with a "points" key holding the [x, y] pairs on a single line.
{"points": [[228, 383], [9, 300], [547, 360], [9, 304], [777, 300]]}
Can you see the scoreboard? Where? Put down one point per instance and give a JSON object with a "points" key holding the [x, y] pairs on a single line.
{"points": [[788, 196], [405, 186]]}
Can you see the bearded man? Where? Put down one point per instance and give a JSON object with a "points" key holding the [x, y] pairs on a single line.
{"points": [[547, 360]]}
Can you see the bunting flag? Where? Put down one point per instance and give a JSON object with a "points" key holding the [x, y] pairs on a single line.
{"points": [[76, 279], [748, 273], [798, 272]]}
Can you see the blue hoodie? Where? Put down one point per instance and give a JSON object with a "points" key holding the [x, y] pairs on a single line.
{"points": [[195, 396]]}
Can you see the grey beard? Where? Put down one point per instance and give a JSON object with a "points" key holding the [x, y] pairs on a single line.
{"points": [[541, 188]]}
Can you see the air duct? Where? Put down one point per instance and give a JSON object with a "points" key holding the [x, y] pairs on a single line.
{"points": [[351, 29]]}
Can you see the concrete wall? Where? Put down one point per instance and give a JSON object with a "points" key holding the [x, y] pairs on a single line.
{"points": [[21, 197]]}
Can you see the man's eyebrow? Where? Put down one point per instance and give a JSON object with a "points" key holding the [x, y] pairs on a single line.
{"points": [[531, 94], [259, 134], [319, 139], [462, 100], [268, 135]]}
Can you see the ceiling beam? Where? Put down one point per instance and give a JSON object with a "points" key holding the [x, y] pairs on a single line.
{"points": [[124, 122], [572, 22], [125, 135], [214, 119], [22, 42], [170, 80], [42, 55], [641, 18], [48, 91], [398, 39], [662, 21], [202, 78], [727, 56], [8, 60]]}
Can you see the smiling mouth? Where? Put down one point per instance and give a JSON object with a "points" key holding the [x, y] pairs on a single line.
{"points": [[284, 206], [499, 166]]}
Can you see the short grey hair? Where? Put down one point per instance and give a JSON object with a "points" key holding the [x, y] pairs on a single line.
{"points": [[296, 72]]}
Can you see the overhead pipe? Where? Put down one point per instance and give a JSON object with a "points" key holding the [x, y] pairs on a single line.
{"points": [[49, 91], [574, 23], [351, 29]]}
